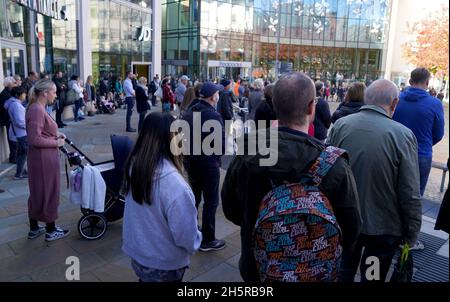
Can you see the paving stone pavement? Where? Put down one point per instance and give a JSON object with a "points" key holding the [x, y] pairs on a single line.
{"points": [[26, 260]]}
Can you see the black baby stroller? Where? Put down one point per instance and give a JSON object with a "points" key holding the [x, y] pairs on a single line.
{"points": [[93, 225]]}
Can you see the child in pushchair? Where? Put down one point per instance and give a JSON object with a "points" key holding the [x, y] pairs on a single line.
{"points": [[93, 225], [106, 105]]}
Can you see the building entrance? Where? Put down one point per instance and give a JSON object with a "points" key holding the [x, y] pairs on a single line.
{"points": [[228, 69], [142, 69]]}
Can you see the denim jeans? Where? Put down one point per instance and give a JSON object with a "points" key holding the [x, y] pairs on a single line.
{"points": [[78, 103], [130, 105], [424, 171], [22, 149], [383, 247], [146, 274], [206, 180]]}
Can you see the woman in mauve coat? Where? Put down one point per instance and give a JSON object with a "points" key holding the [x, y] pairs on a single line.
{"points": [[43, 162]]}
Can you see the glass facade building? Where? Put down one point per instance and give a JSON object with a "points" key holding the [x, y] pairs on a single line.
{"points": [[120, 37], [29, 38], [115, 30], [324, 38]]}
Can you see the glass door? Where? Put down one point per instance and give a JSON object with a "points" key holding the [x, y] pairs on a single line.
{"points": [[7, 62]]}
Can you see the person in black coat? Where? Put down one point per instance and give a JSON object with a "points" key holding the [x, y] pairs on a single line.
{"points": [[443, 219], [61, 90], [103, 88], [353, 101], [225, 104], [204, 169], [322, 121], [265, 111], [142, 105]]}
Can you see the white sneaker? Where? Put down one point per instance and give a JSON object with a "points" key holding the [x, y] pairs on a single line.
{"points": [[418, 246], [58, 233]]}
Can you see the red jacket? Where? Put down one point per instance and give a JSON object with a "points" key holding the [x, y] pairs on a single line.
{"points": [[168, 96]]}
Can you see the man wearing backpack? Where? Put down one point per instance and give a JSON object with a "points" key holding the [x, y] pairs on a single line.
{"points": [[247, 183], [383, 158]]}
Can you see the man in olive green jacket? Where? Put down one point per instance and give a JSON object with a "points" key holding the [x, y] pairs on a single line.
{"points": [[383, 158]]}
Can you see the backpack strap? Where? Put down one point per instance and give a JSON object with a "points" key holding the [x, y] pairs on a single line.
{"points": [[323, 163]]}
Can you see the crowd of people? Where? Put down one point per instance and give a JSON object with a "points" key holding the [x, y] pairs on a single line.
{"points": [[364, 178]]}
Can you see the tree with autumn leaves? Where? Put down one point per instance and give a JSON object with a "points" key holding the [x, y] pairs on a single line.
{"points": [[430, 43]]}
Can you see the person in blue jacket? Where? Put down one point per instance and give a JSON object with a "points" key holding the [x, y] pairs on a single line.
{"points": [[424, 115]]}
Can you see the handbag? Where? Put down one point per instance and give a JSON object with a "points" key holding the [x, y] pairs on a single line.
{"points": [[71, 97], [159, 92], [404, 269]]}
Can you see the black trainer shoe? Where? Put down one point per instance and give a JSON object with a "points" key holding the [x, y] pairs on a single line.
{"points": [[214, 245], [36, 233]]}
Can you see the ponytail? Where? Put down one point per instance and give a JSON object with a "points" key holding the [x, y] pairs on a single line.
{"points": [[40, 86]]}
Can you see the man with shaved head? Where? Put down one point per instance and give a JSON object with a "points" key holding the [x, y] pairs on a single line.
{"points": [[247, 181], [383, 157]]}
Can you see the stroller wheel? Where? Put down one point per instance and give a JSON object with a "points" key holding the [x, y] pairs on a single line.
{"points": [[92, 226]]}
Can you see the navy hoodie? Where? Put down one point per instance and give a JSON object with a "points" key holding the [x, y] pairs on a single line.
{"points": [[207, 112], [424, 115]]}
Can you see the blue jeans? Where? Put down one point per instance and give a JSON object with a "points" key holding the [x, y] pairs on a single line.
{"points": [[22, 149], [78, 103], [146, 274], [424, 171], [130, 105]]}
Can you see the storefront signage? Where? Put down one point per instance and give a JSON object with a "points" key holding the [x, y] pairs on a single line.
{"points": [[48, 8], [144, 33], [238, 64]]}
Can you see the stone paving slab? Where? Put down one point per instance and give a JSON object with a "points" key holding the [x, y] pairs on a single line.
{"points": [[102, 260]]}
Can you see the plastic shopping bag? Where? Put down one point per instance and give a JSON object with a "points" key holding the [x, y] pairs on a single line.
{"points": [[403, 270]]}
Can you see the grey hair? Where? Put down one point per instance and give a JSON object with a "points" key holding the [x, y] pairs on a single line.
{"points": [[8, 81], [381, 93], [259, 84]]}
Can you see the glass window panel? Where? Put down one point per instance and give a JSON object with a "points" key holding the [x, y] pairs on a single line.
{"points": [[172, 15], [14, 26], [6, 61], [184, 14], [224, 22]]}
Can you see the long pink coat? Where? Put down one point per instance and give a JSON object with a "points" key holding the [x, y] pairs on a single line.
{"points": [[43, 164]]}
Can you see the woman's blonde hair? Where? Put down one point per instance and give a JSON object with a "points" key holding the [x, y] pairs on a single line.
{"points": [[142, 80], [89, 79], [40, 86]]}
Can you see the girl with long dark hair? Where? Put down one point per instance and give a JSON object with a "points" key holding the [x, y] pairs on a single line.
{"points": [[160, 220]]}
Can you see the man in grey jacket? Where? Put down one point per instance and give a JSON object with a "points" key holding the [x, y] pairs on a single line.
{"points": [[383, 158]]}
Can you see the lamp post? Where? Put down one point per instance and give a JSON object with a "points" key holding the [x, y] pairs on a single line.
{"points": [[277, 63]]}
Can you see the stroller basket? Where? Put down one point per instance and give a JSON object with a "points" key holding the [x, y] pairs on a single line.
{"points": [[93, 225]]}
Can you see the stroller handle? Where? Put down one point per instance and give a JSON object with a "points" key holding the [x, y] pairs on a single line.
{"points": [[71, 144]]}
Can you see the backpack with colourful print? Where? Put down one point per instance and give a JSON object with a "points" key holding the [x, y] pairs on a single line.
{"points": [[297, 237]]}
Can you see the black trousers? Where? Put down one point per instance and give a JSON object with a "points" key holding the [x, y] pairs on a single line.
{"points": [[205, 180], [59, 112], [383, 247], [12, 147]]}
